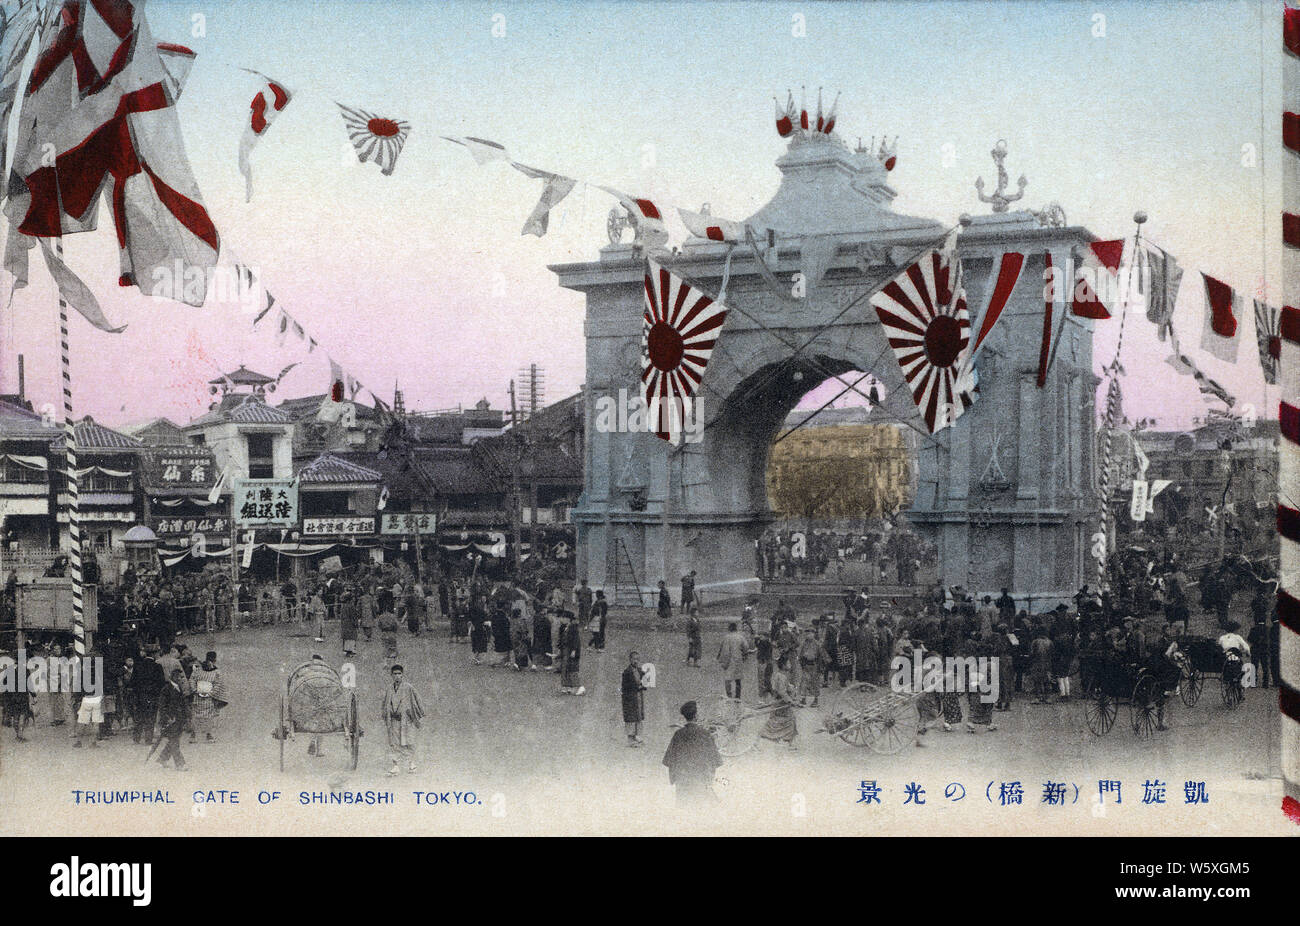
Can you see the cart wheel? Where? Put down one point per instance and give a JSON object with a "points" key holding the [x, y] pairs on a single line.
{"points": [[1230, 692], [1191, 685], [284, 734], [1144, 707], [1100, 710], [852, 714], [354, 730], [735, 729], [896, 728]]}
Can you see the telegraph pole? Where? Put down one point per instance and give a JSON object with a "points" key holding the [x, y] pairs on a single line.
{"points": [[516, 516]]}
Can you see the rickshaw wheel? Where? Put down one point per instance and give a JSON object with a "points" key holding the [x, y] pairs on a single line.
{"points": [[1230, 692], [846, 713], [1100, 710], [1144, 706], [896, 728], [1191, 685], [734, 732], [354, 730]]}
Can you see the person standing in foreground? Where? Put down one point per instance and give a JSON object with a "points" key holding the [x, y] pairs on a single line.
{"points": [[599, 621], [731, 656], [780, 726], [349, 619], [570, 649], [692, 759], [172, 716], [209, 697], [402, 713], [633, 690]]}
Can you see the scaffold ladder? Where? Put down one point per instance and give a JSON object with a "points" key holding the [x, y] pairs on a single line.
{"points": [[625, 582]]}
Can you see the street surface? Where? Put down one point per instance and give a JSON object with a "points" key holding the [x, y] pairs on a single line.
{"points": [[540, 761]]}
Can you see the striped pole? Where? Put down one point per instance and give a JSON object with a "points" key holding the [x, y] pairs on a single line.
{"points": [[1113, 399], [1114, 405], [1288, 476], [74, 495]]}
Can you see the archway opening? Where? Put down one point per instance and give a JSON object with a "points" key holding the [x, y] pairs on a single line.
{"points": [[838, 469]]}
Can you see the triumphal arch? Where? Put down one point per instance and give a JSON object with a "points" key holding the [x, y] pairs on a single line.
{"points": [[1007, 492]]}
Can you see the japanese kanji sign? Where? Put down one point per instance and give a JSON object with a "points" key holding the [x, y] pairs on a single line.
{"points": [[408, 524], [342, 525], [266, 503], [180, 468], [172, 527]]}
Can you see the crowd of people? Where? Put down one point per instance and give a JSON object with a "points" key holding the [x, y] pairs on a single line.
{"points": [[892, 552], [156, 688]]}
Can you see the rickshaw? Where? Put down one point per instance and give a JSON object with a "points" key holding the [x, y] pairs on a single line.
{"points": [[316, 701]]}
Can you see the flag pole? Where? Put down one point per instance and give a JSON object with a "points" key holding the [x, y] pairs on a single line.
{"points": [[74, 496]]}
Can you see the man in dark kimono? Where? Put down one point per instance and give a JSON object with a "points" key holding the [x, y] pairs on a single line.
{"points": [[570, 649], [173, 715], [633, 692], [692, 760], [582, 596], [147, 682]]}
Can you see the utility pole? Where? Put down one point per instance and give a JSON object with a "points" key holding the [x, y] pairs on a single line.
{"points": [[516, 516]]}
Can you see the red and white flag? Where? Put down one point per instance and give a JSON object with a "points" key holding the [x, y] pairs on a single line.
{"points": [[336, 381], [785, 117], [830, 117], [102, 95], [887, 155], [376, 138], [923, 311], [1006, 273], [680, 326], [269, 101], [712, 228], [1222, 320], [648, 218], [1097, 280]]}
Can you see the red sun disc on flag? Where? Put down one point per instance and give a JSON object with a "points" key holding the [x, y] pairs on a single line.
{"points": [[666, 346], [680, 326], [924, 315], [384, 128]]}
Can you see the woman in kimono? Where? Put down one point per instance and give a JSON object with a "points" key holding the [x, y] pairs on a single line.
{"points": [[501, 644], [209, 697], [349, 618], [521, 639], [460, 614], [780, 726], [570, 653], [366, 607], [542, 648], [479, 629], [665, 603], [388, 634], [980, 710], [17, 705], [316, 610]]}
